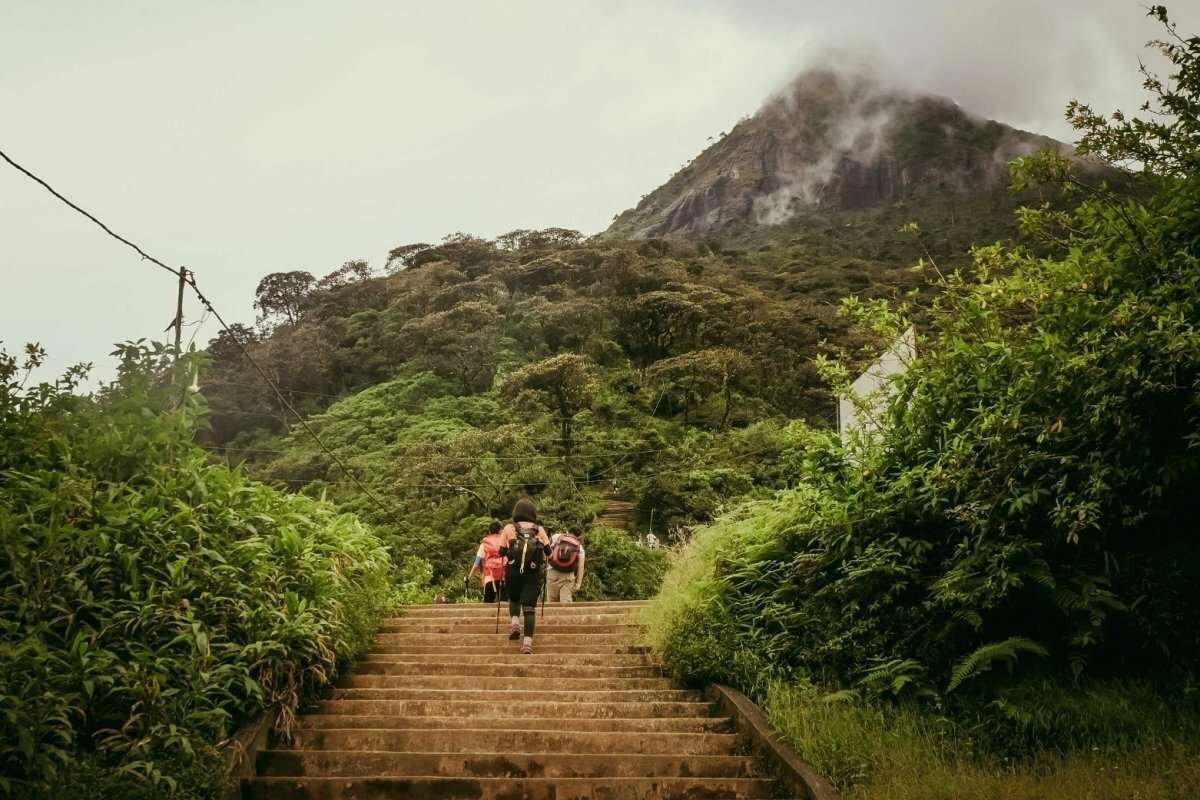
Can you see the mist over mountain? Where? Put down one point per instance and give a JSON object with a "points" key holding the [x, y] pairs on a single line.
{"points": [[832, 141]]}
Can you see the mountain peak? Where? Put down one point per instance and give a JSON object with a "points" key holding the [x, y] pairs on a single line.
{"points": [[831, 141]]}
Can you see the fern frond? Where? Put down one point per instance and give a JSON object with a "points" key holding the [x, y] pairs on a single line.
{"points": [[984, 657], [843, 696], [894, 677]]}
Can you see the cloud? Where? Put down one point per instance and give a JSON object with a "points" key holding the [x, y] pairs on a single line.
{"points": [[240, 139], [1017, 61]]}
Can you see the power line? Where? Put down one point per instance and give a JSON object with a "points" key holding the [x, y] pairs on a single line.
{"points": [[289, 391], [457, 485], [145, 256], [577, 455], [189, 277], [237, 412], [198, 325]]}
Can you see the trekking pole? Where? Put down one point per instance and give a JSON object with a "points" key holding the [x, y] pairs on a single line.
{"points": [[544, 590], [499, 591]]}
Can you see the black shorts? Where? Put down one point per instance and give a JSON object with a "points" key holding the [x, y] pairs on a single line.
{"points": [[493, 591], [524, 588]]}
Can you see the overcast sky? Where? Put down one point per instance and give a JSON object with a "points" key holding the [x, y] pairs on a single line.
{"points": [[241, 138]]}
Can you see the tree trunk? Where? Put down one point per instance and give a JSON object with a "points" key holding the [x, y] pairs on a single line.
{"points": [[564, 417], [726, 391]]}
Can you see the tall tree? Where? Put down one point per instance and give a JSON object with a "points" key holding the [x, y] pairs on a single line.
{"points": [[280, 296], [657, 325], [350, 272], [460, 343], [402, 257], [700, 374], [564, 385], [226, 347]]}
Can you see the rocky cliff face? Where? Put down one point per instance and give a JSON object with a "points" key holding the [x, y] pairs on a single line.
{"points": [[831, 142]]}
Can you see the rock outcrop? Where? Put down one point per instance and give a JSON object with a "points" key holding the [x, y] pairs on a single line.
{"points": [[831, 142]]}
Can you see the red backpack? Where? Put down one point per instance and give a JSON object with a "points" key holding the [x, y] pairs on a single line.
{"points": [[493, 562], [565, 553]]}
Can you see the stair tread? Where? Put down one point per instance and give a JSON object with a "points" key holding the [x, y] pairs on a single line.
{"points": [[406, 721], [545, 764], [715, 724], [546, 754], [446, 788], [447, 681], [606, 710], [488, 740]]}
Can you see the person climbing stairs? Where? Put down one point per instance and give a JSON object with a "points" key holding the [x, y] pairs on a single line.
{"points": [[445, 707]]}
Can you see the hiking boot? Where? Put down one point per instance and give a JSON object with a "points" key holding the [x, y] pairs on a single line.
{"points": [[515, 631], [527, 647]]}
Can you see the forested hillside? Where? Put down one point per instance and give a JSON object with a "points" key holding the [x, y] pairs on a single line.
{"points": [[677, 375], [674, 373]]}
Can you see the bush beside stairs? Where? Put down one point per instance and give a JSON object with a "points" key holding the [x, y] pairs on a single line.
{"points": [[444, 707]]}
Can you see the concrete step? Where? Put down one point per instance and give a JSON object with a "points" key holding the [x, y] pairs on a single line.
{"points": [[485, 740], [534, 708], [676, 724], [556, 613], [497, 679], [458, 627], [490, 669], [519, 697], [353, 763], [485, 611], [514, 647], [578, 604], [510, 658], [430, 713], [547, 635], [432, 788]]}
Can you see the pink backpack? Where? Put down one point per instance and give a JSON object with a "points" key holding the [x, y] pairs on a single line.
{"points": [[565, 553]]}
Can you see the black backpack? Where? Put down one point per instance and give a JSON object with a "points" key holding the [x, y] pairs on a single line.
{"points": [[525, 552]]}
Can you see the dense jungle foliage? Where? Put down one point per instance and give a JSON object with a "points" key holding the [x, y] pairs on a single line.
{"points": [[150, 600], [665, 373], [1014, 551]]}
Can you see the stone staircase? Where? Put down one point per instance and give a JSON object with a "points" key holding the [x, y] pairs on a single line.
{"points": [[443, 707], [616, 514]]}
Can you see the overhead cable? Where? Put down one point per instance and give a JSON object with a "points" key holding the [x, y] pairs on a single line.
{"points": [[189, 277]]}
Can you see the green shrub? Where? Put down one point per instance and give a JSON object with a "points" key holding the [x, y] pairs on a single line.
{"points": [[151, 601], [1028, 508], [1032, 498], [618, 568]]}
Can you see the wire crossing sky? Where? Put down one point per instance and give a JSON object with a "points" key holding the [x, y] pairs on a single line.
{"points": [[239, 139]]}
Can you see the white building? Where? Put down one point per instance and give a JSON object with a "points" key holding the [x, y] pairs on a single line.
{"points": [[861, 411]]}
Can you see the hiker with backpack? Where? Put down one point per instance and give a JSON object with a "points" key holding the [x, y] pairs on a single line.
{"points": [[565, 575], [490, 564], [525, 547]]}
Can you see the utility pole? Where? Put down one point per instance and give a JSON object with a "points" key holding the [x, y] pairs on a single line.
{"points": [[179, 308]]}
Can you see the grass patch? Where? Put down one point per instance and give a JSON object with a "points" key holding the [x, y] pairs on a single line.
{"points": [[885, 751]]}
